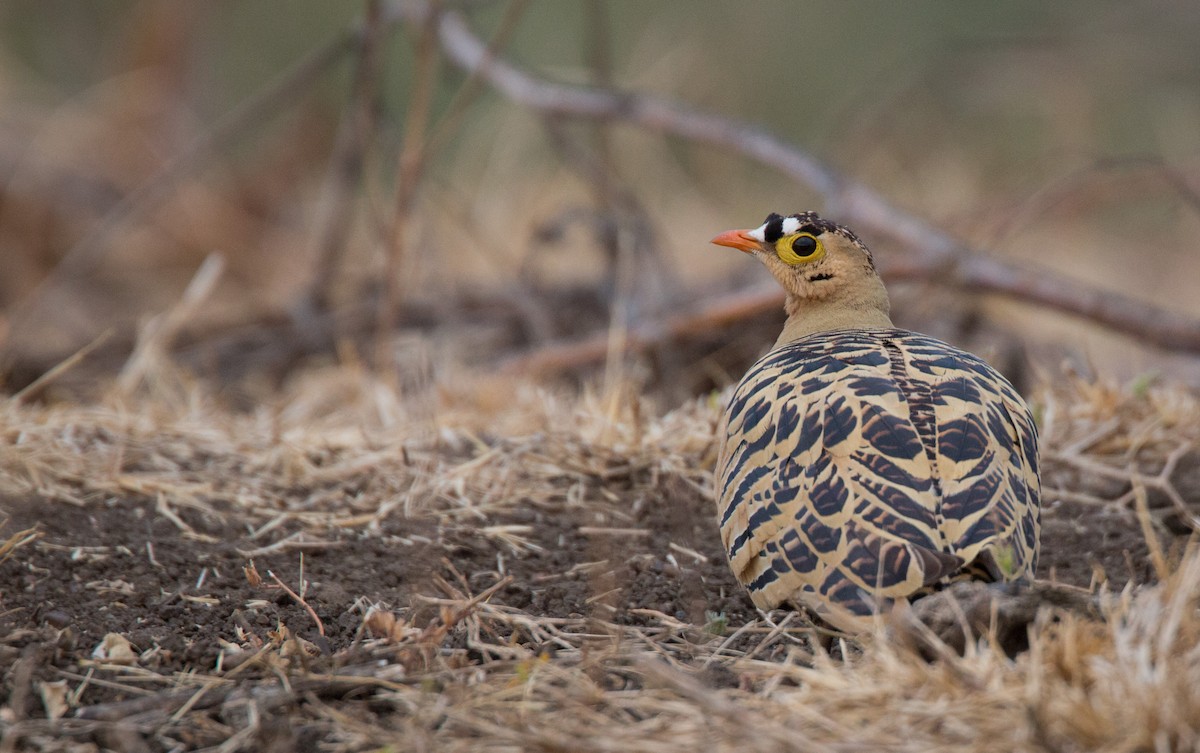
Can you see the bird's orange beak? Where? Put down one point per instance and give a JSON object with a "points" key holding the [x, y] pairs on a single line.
{"points": [[739, 239]]}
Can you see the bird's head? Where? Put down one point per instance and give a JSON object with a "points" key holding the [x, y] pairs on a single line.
{"points": [[811, 257], [828, 273]]}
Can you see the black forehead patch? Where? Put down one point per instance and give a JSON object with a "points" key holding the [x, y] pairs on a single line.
{"points": [[774, 227]]}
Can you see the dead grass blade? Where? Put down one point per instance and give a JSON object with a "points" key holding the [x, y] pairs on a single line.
{"points": [[19, 539]]}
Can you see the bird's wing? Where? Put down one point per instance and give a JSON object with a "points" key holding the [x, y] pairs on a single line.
{"points": [[824, 483], [987, 461]]}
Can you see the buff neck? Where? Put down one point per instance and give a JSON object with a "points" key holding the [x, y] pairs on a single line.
{"points": [[867, 309]]}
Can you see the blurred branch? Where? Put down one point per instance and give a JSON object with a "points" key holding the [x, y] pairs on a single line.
{"points": [[456, 110], [1069, 187], [264, 104], [720, 312], [355, 135], [85, 255], [936, 254], [622, 224], [408, 175], [618, 210], [604, 174]]}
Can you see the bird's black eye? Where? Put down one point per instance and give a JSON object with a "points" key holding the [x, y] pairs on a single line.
{"points": [[804, 245]]}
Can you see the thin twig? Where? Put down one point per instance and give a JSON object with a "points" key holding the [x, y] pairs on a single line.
{"points": [[438, 629], [1157, 557], [18, 540], [299, 600], [37, 385]]}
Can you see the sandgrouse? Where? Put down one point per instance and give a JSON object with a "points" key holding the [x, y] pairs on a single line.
{"points": [[862, 464]]}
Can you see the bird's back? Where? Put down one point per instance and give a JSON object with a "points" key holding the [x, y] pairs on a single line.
{"points": [[859, 467]]}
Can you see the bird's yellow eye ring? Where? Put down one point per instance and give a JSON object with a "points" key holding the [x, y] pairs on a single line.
{"points": [[799, 248]]}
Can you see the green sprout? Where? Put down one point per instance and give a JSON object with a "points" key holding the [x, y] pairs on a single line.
{"points": [[1006, 559], [1140, 387], [715, 623]]}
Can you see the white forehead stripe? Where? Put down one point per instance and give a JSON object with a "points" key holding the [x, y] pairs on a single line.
{"points": [[790, 225], [759, 233]]}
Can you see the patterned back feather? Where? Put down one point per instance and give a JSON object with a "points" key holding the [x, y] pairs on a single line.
{"points": [[862, 466]]}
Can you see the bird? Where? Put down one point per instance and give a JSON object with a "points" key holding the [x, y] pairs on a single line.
{"points": [[861, 465]]}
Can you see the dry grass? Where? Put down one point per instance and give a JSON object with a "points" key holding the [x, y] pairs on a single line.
{"points": [[17, 540], [1109, 445], [300, 456], [489, 444], [1128, 683]]}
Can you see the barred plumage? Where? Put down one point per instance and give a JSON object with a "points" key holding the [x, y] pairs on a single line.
{"points": [[863, 465]]}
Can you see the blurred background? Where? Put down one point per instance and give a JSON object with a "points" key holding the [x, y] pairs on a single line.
{"points": [[361, 200]]}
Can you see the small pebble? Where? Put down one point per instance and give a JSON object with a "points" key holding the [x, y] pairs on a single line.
{"points": [[57, 619]]}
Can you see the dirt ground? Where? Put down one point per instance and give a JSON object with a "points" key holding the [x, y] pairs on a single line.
{"points": [[92, 573], [208, 583], [118, 566]]}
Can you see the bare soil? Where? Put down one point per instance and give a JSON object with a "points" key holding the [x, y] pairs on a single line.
{"points": [[118, 566]]}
